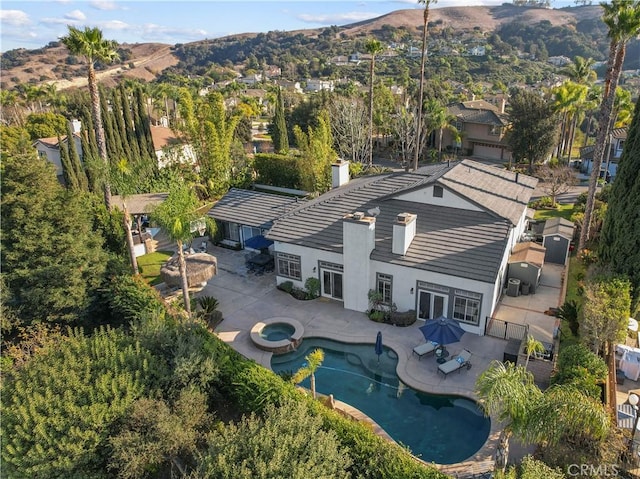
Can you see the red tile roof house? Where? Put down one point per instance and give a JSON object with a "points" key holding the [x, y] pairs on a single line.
{"points": [[436, 241]]}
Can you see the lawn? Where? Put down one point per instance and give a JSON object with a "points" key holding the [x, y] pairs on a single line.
{"points": [[149, 265], [564, 211]]}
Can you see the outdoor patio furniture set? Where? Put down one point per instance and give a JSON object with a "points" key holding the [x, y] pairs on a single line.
{"points": [[438, 333], [259, 264]]}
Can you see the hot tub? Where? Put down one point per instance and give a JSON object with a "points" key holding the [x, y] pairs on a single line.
{"points": [[277, 335]]}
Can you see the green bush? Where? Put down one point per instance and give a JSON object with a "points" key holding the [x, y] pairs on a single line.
{"points": [[312, 285], [286, 286], [579, 367], [208, 304], [130, 298]]}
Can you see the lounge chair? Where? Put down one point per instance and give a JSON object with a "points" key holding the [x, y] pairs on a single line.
{"points": [[456, 363], [425, 349]]}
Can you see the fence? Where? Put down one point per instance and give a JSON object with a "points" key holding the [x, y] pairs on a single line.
{"points": [[505, 330]]}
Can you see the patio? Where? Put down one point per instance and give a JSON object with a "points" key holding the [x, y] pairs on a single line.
{"points": [[246, 299]]}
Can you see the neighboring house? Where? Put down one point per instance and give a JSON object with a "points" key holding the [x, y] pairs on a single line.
{"points": [[169, 148], [609, 166], [436, 241], [289, 85], [478, 51], [340, 60], [483, 128], [251, 79], [49, 148], [243, 214], [559, 61], [316, 85]]}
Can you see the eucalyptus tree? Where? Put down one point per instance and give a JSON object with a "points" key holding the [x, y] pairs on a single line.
{"points": [[423, 55], [372, 47], [91, 45], [622, 17]]}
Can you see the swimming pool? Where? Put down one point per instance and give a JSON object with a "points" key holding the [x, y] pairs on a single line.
{"points": [[442, 429]]}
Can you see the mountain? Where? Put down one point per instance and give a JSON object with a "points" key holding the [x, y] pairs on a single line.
{"points": [[147, 61]]}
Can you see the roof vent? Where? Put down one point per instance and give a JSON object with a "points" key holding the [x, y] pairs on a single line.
{"points": [[358, 215]]}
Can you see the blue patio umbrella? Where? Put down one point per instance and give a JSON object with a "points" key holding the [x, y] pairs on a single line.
{"points": [[258, 242], [379, 344], [442, 330]]}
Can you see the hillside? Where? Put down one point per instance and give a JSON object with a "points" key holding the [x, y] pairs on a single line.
{"points": [[147, 61]]}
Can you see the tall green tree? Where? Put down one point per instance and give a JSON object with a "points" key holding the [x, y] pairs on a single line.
{"points": [[423, 57], [534, 127], [59, 408], [622, 17], [91, 45], [51, 258], [621, 229], [74, 159], [372, 47], [175, 216], [316, 154], [279, 133]]}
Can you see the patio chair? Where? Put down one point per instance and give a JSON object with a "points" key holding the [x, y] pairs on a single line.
{"points": [[425, 349], [456, 363]]}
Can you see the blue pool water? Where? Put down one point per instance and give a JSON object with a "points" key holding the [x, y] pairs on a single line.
{"points": [[277, 331], [442, 429]]}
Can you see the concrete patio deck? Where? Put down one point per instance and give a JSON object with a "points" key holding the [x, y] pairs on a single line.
{"points": [[246, 299]]}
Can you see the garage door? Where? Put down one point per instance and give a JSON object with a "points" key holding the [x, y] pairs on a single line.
{"points": [[486, 151]]}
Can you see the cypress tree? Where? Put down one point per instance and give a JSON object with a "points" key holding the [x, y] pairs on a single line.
{"points": [[74, 160], [68, 171], [113, 151], [119, 126], [132, 140], [279, 131], [621, 229], [143, 125]]}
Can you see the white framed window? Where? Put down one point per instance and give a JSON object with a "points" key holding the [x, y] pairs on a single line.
{"points": [[289, 266], [384, 283], [466, 307], [495, 130]]}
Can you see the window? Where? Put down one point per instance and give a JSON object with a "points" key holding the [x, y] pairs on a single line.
{"points": [[437, 191], [230, 231], [466, 307], [383, 286], [495, 130], [289, 266]]}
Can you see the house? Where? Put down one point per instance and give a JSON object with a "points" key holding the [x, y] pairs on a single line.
{"points": [[477, 51], [169, 148], [436, 241], [609, 166], [316, 85], [559, 61], [251, 79], [243, 214], [289, 85], [49, 148], [482, 127]]}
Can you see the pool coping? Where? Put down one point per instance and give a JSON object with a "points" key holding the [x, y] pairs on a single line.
{"points": [[482, 461]]}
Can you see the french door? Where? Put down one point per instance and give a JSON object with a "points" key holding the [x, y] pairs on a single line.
{"points": [[432, 305], [332, 284]]}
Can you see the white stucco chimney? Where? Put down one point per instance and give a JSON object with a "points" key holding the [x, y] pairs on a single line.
{"points": [[76, 126], [404, 230], [339, 173], [359, 240]]}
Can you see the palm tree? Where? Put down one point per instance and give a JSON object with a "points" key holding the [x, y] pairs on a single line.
{"points": [[439, 119], [581, 71], [90, 44], [532, 346], [175, 215], [372, 47], [622, 17], [314, 361], [423, 54], [508, 393], [561, 413]]}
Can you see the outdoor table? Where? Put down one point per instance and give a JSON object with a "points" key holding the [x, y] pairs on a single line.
{"points": [[261, 259], [442, 354]]}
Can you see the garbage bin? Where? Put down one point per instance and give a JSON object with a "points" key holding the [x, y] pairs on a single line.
{"points": [[513, 287], [525, 288], [620, 376]]}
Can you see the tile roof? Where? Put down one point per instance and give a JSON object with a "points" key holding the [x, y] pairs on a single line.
{"points": [[252, 208], [448, 240], [500, 191], [163, 136], [478, 111]]}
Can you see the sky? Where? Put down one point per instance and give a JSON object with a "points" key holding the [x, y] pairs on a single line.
{"points": [[33, 24]]}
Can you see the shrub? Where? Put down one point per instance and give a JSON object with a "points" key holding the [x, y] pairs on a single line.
{"points": [[569, 313], [130, 298], [286, 286], [312, 285], [581, 368], [208, 304]]}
